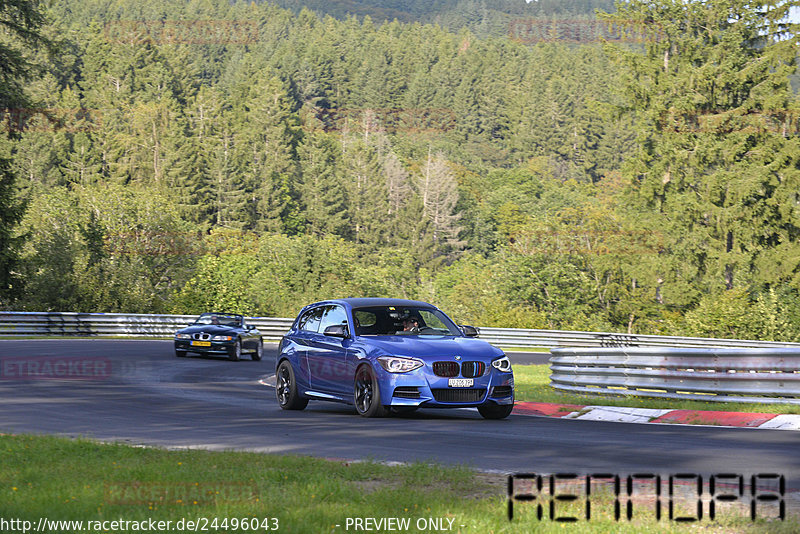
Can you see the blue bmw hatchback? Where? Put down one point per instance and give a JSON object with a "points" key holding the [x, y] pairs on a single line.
{"points": [[390, 355]]}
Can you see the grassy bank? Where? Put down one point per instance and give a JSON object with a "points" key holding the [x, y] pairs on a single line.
{"points": [[533, 384], [61, 479]]}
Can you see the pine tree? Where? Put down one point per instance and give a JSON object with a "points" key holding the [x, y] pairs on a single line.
{"points": [[366, 194], [191, 153], [398, 181], [134, 87], [22, 20], [81, 164], [320, 188], [716, 165], [438, 190], [264, 148], [43, 140]]}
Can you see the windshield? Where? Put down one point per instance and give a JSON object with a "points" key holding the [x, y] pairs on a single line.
{"points": [[402, 321], [222, 319]]}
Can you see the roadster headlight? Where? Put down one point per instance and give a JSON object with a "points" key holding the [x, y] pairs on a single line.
{"points": [[397, 364], [221, 338], [183, 336], [502, 364]]}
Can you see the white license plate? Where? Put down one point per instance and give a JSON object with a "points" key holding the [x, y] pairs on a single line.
{"points": [[460, 382]]}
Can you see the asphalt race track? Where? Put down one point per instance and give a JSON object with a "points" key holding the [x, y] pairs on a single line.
{"points": [[139, 392]]}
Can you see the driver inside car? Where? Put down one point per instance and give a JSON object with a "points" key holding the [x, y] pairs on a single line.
{"points": [[411, 325]]}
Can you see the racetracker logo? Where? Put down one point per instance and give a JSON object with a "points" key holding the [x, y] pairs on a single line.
{"points": [[578, 31], [50, 120], [148, 243], [783, 122], [178, 493], [191, 32], [55, 368], [594, 243], [389, 120]]}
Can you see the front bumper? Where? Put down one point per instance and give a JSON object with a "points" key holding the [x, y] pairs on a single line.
{"points": [[421, 388], [214, 347]]}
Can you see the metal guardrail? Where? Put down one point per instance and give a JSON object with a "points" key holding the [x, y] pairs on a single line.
{"points": [[766, 375], [599, 362], [145, 325], [116, 324], [516, 337]]}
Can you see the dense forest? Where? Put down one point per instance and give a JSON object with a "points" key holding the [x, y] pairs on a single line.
{"points": [[176, 157], [481, 17]]}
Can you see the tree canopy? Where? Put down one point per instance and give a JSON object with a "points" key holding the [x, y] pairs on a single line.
{"points": [[629, 173]]}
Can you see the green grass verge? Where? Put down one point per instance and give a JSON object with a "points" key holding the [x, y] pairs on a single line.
{"points": [[532, 383], [80, 480]]}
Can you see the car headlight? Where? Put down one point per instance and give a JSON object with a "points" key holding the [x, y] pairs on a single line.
{"points": [[397, 364], [502, 364], [183, 336], [221, 338]]}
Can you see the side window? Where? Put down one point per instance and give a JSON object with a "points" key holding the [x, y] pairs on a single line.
{"points": [[432, 321], [365, 322], [311, 319], [334, 315]]}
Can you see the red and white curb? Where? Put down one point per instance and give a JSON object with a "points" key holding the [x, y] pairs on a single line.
{"points": [[622, 414], [269, 381]]}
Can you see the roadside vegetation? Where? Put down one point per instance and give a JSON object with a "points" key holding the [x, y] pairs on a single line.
{"points": [[180, 157], [39, 478], [532, 383]]}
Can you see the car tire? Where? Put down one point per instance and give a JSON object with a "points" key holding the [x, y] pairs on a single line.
{"points": [[491, 410], [259, 352], [180, 353], [286, 388], [367, 394], [235, 352]]}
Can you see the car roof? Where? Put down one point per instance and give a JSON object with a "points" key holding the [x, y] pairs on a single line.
{"points": [[377, 301], [367, 302]]}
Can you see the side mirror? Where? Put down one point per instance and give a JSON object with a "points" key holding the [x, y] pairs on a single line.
{"points": [[250, 327], [337, 330], [469, 331]]}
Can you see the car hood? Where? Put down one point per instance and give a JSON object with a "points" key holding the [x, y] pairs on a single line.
{"points": [[214, 329], [431, 348]]}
